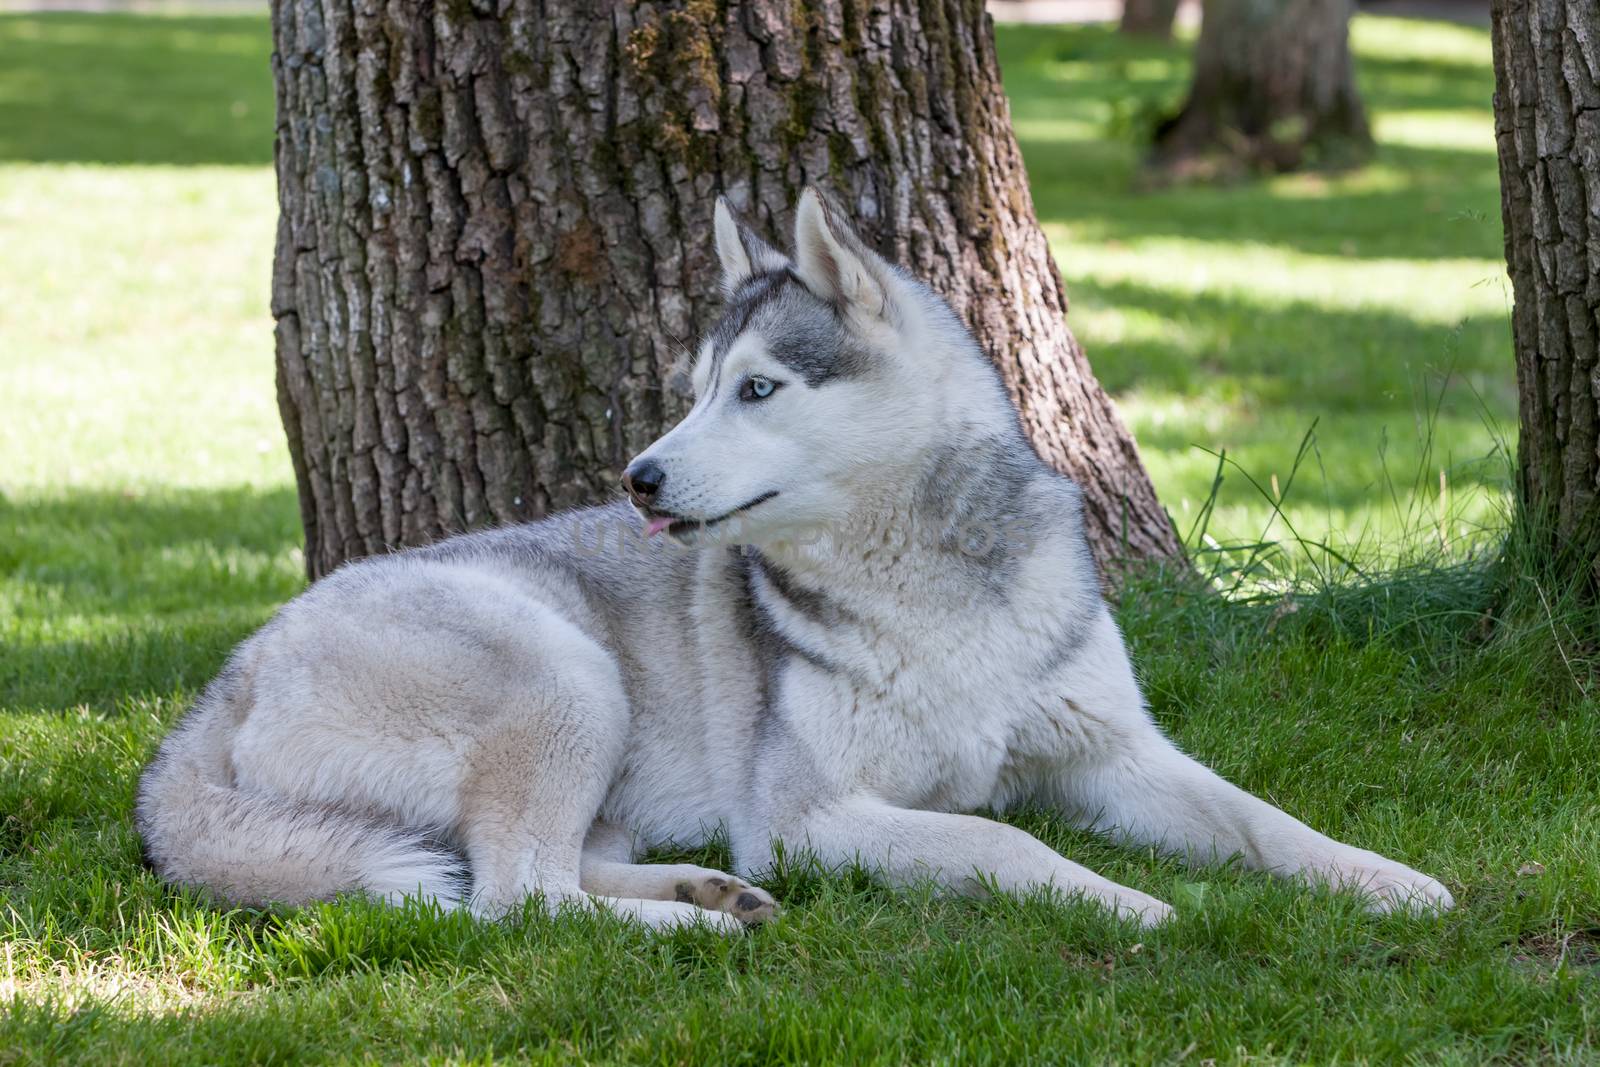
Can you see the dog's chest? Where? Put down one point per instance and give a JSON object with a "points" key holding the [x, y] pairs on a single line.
{"points": [[940, 716]]}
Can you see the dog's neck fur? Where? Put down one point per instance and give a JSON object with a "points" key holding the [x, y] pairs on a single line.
{"points": [[941, 536]]}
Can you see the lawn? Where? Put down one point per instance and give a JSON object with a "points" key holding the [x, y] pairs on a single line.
{"points": [[1372, 306], [1436, 711]]}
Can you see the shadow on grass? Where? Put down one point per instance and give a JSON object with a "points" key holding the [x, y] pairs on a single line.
{"points": [[1425, 85], [1441, 203], [100, 672], [1360, 360], [110, 594], [1099, 64], [135, 89]]}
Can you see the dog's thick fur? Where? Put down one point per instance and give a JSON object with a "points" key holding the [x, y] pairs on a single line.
{"points": [[518, 711]]}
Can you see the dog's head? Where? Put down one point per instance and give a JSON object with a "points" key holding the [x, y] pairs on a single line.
{"points": [[817, 392]]}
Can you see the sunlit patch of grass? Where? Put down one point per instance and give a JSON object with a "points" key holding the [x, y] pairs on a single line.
{"points": [[1432, 291], [1374, 178], [1117, 324], [1064, 128], [147, 303], [1463, 130], [1423, 46]]}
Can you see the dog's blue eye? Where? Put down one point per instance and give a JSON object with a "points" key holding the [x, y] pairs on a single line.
{"points": [[758, 388]]}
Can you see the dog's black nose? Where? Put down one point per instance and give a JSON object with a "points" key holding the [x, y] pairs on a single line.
{"points": [[644, 480]]}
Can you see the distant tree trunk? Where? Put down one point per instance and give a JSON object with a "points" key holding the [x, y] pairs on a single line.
{"points": [[1149, 18], [1547, 125], [496, 231], [1274, 89]]}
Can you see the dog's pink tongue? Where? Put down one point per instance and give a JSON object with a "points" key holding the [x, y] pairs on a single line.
{"points": [[657, 524]]}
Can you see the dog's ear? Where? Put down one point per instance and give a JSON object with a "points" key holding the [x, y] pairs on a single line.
{"points": [[833, 262], [742, 252]]}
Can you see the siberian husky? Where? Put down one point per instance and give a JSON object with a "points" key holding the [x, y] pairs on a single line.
{"points": [[845, 605]]}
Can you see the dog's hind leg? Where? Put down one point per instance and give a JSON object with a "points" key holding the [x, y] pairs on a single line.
{"points": [[527, 800], [524, 808], [608, 870], [535, 776]]}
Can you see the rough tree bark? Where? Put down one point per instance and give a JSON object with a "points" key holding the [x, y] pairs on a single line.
{"points": [[1149, 18], [496, 229], [1274, 89], [1547, 126]]}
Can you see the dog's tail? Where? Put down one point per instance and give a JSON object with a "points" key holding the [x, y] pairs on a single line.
{"points": [[254, 849]]}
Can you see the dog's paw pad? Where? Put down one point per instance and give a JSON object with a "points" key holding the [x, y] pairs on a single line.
{"points": [[735, 896], [751, 905]]}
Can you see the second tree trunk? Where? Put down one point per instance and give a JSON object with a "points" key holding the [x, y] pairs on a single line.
{"points": [[1274, 89], [1547, 124], [1149, 18]]}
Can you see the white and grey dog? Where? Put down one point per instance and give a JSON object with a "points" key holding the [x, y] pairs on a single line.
{"points": [[873, 609]]}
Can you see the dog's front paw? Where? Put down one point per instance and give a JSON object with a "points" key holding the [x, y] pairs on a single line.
{"points": [[724, 892], [1132, 904], [1390, 886]]}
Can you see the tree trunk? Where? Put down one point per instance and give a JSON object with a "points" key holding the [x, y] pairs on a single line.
{"points": [[1547, 126], [1274, 89], [496, 237], [1149, 18]]}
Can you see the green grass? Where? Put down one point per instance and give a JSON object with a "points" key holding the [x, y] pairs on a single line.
{"points": [[1236, 317], [1436, 713]]}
